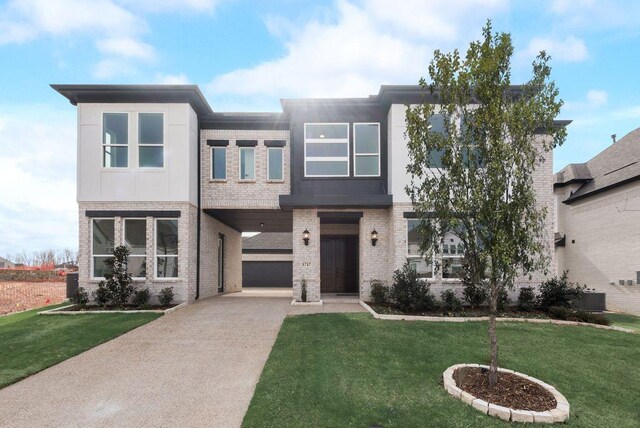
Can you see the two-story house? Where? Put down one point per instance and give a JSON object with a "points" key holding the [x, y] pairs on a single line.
{"points": [[161, 172]]}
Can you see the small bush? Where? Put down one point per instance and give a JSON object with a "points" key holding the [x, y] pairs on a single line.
{"points": [[303, 290], [560, 312], [378, 292], [503, 300], [558, 292], [166, 296], [526, 299], [141, 298], [474, 294], [80, 297], [591, 318], [409, 292], [450, 301], [101, 296], [568, 314]]}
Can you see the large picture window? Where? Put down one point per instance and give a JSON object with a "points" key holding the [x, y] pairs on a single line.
{"points": [[247, 163], [452, 256], [326, 149], [115, 140], [366, 138], [275, 163], [218, 163], [422, 265], [452, 252], [135, 237], [150, 140], [102, 244], [166, 248]]}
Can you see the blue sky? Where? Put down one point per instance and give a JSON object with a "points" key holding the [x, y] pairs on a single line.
{"points": [[245, 55]]}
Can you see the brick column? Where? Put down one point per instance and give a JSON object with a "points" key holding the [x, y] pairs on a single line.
{"points": [[306, 258]]}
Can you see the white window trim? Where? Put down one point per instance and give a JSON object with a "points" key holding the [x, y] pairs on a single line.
{"points": [[275, 180], [156, 255], [211, 177], [327, 140], [124, 242], [240, 149], [93, 256], [356, 154], [128, 145], [163, 145]]}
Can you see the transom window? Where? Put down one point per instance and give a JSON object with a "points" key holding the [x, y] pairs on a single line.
{"points": [[451, 259], [219, 163], [326, 149], [150, 140], [366, 138], [247, 163], [166, 248], [102, 244], [275, 163], [115, 140], [135, 237]]}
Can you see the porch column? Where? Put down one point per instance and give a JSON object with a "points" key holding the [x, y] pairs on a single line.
{"points": [[306, 258]]}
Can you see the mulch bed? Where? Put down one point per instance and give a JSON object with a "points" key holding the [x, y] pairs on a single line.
{"points": [[89, 308], [480, 311], [511, 391]]}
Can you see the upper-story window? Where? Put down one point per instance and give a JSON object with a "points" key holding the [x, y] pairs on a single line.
{"points": [[437, 125], [275, 163], [326, 149], [247, 163], [218, 163], [366, 138], [115, 140], [150, 140]]}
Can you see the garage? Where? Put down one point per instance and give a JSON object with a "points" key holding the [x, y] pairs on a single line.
{"points": [[267, 260]]}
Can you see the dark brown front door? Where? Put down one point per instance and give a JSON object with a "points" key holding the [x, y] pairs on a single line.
{"points": [[339, 264]]}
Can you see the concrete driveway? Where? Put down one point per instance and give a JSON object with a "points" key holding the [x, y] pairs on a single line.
{"points": [[195, 367]]}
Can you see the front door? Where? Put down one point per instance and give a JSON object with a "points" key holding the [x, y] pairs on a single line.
{"points": [[220, 263], [339, 264]]}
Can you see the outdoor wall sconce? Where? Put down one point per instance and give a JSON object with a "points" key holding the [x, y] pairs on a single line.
{"points": [[305, 237], [374, 237]]}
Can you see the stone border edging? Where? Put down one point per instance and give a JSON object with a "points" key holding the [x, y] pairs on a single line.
{"points": [[61, 311], [296, 303], [559, 414], [469, 319]]}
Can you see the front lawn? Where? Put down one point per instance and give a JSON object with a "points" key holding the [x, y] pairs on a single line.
{"points": [[353, 370], [30, 342], [624, 320]]}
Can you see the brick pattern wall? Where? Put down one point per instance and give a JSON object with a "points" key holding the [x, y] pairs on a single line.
{"points": [[183, 286], [234, 193], [374, 261], [306, 258], [211, 228], [606, 232]]}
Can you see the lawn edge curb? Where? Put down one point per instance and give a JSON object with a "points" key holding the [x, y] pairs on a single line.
{"points": [[471, 319], [61, 311], [559, 414]]}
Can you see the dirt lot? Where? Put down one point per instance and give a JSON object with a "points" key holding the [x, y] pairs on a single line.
{"points": [[19, 296]]}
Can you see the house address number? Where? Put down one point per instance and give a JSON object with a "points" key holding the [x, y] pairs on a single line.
{"points": [[306, 263]]}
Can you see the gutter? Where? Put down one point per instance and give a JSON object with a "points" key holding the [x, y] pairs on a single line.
{"points": [[199, 216]]}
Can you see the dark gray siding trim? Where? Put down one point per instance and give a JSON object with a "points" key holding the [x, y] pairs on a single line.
{"points": [[267, 274], [217, 143], [245, 121], [265, 251], [409, 215], [335, 201], [132, 213], [341, 215], [246, 143], [275, 143]]}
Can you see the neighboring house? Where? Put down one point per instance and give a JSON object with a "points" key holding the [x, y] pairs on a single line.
{"points": [[6, 264], [267, 260], [598, 228], [160, 171]]}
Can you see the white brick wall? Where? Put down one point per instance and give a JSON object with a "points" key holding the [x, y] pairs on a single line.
{"points": [[306, 258], [233, 193], [606, 231]]}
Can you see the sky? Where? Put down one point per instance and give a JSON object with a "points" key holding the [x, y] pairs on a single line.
{"points": [[246, 55]]}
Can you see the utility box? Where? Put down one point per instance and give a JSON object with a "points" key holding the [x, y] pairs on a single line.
{"points": [[72, 283]]}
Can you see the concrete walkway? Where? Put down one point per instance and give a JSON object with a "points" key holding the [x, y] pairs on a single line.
{"points": [[195, 367]]}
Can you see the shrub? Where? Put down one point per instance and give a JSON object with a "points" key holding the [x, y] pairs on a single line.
{"points": [[141, 298], [450, 301], [591, 318], [560, 312], [80, 297], [556, 292], [527, 299], [378, 292], [117, 279], [303, 290], [474, 294], [503, 300], [166, 296], [409, 292], [101, 296]]}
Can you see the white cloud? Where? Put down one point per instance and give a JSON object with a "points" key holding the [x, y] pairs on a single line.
{"points": [[570, 49], [173, 5], [363, 45], [110, 68], [172, 79], [632, 112], [126, 47], [597, 98]]}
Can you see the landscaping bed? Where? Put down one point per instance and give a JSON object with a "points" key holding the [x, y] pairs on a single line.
{"points": [[467, 312], [127, 308]]}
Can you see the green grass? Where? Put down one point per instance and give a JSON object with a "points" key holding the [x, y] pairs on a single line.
{"points": [[352, 370], [624, 320], [30, 342]]}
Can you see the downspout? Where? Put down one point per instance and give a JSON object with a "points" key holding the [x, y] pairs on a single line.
{"points": [[198, 216]]}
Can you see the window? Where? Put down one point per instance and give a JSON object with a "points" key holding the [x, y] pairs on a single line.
{"points": [[135, 237], [366, 149], [166, 248], [115, 140], [422, 265], [275, 163], [150, 140], [452, 256], [437, 125], [219, 163], [326, 149], [102, 244], [247, 163]]}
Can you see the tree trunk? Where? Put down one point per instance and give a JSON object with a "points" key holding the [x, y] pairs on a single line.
{"points": [[493, 337]]}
